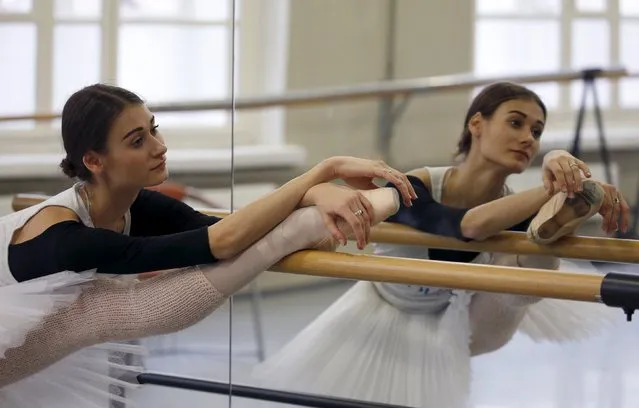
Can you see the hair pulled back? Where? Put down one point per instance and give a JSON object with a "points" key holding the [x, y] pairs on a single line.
{"points": [[87, 118], [488, 101]]}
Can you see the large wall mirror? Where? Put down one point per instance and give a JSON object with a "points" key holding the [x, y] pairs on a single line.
{"points": [[199, 144]]}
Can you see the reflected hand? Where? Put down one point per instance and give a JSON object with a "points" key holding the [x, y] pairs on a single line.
{"points": [[563, 172], [360, 173], [614, 210]]}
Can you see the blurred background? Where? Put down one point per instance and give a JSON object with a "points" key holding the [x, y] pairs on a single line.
{"points": [[251, 93]]}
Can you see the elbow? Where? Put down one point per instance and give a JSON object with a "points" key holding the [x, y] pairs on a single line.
{"points": [[223, 245], [473, 227]]}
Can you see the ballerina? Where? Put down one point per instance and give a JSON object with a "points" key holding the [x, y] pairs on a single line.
{"points": [[65, 299], [412, 345]]}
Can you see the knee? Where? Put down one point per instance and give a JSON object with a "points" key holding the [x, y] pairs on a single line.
{"points": [[173, 301]]}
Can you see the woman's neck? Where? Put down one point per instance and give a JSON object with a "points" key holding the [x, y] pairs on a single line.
{"points": [[473, 183], [107, 206]]}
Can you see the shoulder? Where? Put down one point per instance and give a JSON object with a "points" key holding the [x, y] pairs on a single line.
{"points": [[154, 202], [147, 196], [421, 174], [42, 220]]}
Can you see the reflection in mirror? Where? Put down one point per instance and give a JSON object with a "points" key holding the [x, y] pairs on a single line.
{"points": [[417, 345], [233, 318]]}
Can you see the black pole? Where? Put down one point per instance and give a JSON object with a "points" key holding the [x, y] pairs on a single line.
{"points": [[264, 394], [588, 78]]}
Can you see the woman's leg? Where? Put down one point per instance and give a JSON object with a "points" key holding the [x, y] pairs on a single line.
{"points": [[111, 310], [495, 317]]}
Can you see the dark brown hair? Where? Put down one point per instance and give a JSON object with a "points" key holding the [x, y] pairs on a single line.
{"points": [[488, 101], [87, 118]]}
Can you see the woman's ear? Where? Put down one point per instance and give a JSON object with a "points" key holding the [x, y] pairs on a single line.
{"points": [[92, 162], [475, 125]]}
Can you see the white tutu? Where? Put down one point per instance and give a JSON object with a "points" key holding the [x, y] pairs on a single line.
{"points": [[24, 305], [87, 378], [364, 348], [567, 320]]}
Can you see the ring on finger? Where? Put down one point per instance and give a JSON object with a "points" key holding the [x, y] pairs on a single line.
{"points": [[616, 200], [358, 213]]}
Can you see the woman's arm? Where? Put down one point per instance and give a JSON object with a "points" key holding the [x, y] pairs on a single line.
{"points": [[238, 231], [71, 246], [493, 217], [428, 215]]}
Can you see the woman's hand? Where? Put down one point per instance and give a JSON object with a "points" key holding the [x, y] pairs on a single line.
{"points": [[336, 202], [360, 173], [614, 210], [563, 172]]}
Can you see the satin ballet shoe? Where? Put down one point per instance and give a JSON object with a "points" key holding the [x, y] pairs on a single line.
{"points": [[561, 215], [385, 202]]}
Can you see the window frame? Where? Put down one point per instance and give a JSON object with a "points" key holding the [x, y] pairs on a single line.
{"points": [[564, 116], [261, 45]]}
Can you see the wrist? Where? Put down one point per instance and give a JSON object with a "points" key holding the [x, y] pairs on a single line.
{"points": [[308, 199], [541, 195], [325, 170]]}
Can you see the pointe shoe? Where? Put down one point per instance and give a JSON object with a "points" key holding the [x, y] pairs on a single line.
{"points": [[385, 202], [561, 215]]}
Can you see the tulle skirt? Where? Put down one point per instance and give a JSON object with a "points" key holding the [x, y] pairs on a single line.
{"points": [[91, 377], [364, 348]]}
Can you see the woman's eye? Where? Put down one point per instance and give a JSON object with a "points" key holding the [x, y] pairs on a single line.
{"points": [[537, 133], [138, 141]]}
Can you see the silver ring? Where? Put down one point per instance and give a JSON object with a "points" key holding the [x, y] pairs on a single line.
{"points": [[358, 213], [617, 200]]}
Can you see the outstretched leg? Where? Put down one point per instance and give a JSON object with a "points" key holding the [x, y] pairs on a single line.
{"points": [[112, 310], [495, 317]]}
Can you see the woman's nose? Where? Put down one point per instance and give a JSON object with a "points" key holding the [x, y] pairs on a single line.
{"points": [[160, 147]]}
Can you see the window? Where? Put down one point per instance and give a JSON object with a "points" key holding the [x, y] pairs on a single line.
{"points": [[533, 36], [166, 50]]}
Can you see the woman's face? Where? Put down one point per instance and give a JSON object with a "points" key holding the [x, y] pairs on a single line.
{"points": [[135, 155], [510, 138]]}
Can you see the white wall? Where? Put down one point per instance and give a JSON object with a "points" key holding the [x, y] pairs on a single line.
{"points": [[334, 42]]}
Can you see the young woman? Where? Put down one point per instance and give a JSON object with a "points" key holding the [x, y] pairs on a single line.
{"points": [[62, 262], [411, 345]]}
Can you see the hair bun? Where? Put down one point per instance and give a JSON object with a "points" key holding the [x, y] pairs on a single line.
{"points": [[68, 168]]}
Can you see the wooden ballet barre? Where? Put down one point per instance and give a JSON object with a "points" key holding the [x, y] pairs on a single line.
{"points": [[573, 247], [577, 247], [612, 289], [395, 88]]}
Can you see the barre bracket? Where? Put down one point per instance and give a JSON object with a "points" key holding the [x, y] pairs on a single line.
{"points": [[621, 290]]}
